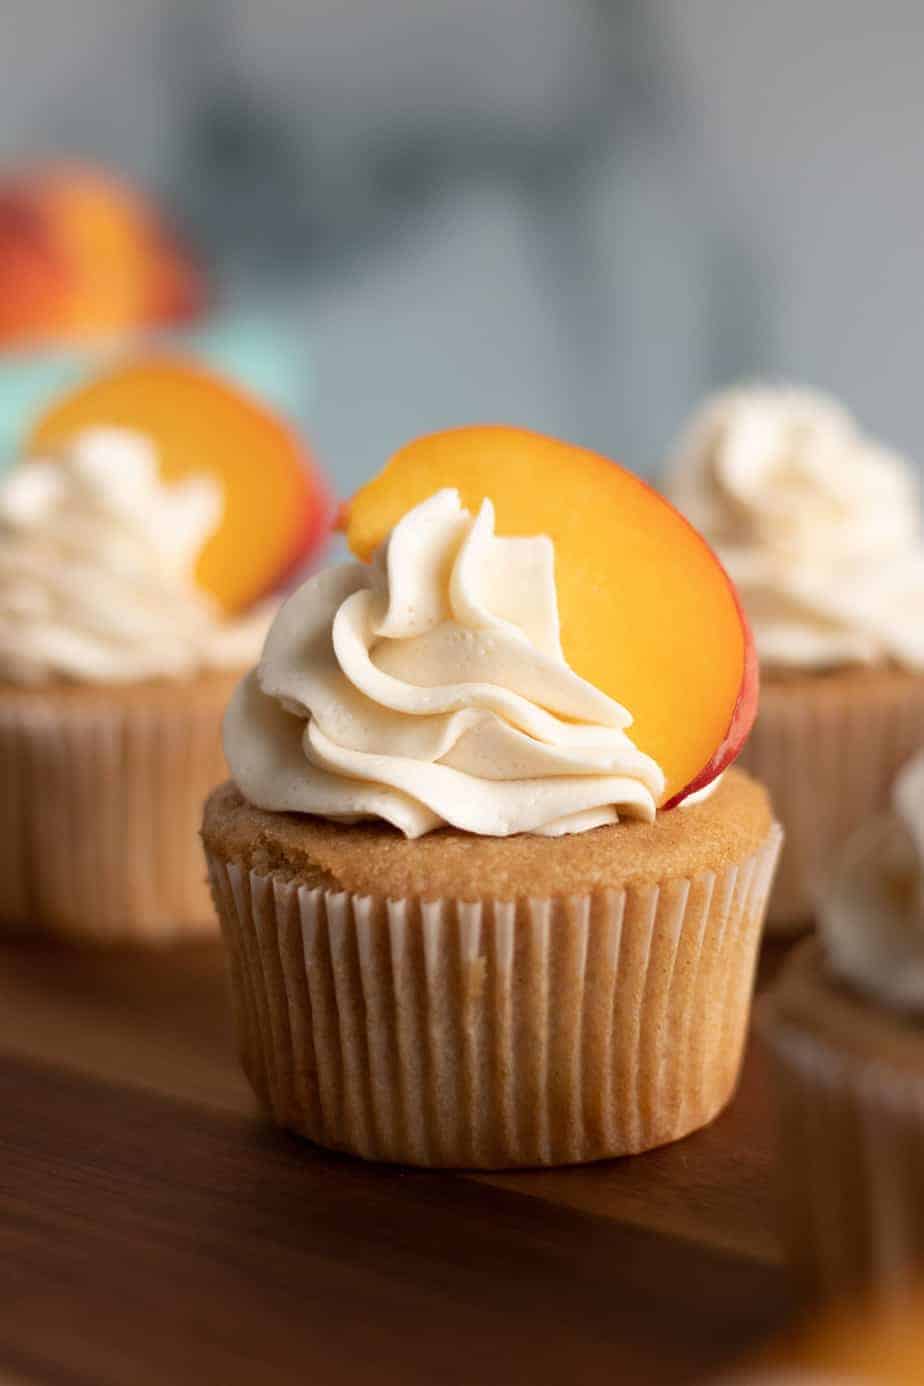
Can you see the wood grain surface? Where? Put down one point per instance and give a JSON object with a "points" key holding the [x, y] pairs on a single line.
{"points": [[155, 1229]]}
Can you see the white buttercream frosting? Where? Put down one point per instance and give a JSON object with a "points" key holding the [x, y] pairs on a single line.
{"points": [[430, 688], [872, 915], [96, 570], [818, 526]]}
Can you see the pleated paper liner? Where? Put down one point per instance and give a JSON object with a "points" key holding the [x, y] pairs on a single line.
{"points": [[828, 749], [852, 1149], [494, 1033], [100, 802]]}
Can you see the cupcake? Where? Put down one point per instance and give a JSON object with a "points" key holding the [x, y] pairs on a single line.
{"points": [[135, 540], [820, 529], [479, 912], [845, 1027]]}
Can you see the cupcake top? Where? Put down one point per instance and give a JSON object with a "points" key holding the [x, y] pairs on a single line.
{"points": [[431, 687], [818, 525], [156, 511], [97, 559], [872, 915]]}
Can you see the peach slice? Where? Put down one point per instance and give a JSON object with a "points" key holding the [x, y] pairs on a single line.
{"points": [[277, 508], [647, 612], [82, 255]]}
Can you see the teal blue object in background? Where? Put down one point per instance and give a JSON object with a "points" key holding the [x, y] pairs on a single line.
{"points": [[265, 355], [28, 380]]}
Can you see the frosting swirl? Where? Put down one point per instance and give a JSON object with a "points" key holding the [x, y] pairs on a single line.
{"points": [[430, 688], [872, 917], [96, 570], [818, 526]]}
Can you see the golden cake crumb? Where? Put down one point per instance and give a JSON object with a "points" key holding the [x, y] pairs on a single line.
{"points": [[374, 858], [210, 687], [874, 681]]}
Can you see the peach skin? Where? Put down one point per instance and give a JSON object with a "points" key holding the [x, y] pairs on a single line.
{"points": [[648, 613]]}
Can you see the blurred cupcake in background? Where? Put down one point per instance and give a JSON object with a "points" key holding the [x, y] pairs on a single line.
{"points": [[820, 529], [845, 1026], [141, 539], [91, 269]]}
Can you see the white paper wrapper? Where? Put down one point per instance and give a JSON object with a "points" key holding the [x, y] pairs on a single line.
{"points": [[828, 752], [99, 816], [851, 1162], [495, 1033]]}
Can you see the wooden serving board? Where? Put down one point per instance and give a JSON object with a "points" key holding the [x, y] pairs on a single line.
{"points": [[154, 1229]]}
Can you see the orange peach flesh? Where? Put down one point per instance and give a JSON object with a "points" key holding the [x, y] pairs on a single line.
{"points": [[647, 612], [200, 425], [105, 242]]}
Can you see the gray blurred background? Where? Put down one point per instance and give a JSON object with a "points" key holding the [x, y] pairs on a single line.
{"points": [[569, 214]]}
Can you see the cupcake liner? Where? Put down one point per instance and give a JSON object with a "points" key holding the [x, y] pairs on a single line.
{"points": [[828, 753], [852, 1152], [99, 817], [494, 1033]]}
